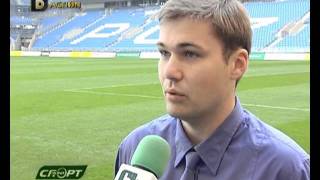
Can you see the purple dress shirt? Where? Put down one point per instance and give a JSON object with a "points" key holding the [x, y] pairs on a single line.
{"points": [[242, 148]]}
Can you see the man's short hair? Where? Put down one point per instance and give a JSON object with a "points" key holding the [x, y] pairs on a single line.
{"points": [[229, 19]]}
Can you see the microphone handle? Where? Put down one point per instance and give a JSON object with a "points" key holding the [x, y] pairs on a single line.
{"points": [[127, 172]]}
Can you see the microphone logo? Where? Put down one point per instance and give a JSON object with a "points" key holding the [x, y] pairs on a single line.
{"points": [[128, 175]]}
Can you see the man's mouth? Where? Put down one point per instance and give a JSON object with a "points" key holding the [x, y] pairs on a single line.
{"points": [[174, 95]]}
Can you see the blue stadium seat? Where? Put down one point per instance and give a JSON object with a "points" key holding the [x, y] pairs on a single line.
{"points": [[129, 29]]}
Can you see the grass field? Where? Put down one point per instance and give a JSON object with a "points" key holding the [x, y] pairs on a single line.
{"points": [[67, 111]]}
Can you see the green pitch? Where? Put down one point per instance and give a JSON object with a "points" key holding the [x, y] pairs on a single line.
{"points": [[66, 111]]}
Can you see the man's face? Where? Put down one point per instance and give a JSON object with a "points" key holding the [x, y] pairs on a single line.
{"points": [[192, 71]]}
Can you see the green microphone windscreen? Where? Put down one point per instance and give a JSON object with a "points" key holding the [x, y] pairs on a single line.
{"points": [[152, 153]]}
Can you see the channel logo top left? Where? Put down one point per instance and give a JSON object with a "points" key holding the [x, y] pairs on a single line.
{"points": [[39, 5]]}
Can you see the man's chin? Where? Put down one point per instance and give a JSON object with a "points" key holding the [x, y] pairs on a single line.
{"points": [[177, 111], [173, 113], [177, 114]]}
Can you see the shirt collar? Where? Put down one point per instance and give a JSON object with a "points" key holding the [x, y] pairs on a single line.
{"points": [[183, 144], [212, 149]]}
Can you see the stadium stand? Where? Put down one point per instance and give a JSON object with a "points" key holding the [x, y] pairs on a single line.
{"points": [[132, 29], [17, 20], [55, 36], [102, 29], [265, 35]]}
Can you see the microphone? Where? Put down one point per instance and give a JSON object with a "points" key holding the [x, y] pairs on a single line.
{"points": [[148, 161]]}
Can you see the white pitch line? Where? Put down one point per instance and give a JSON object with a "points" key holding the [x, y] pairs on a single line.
{"points": [[116, 94], [277, 107], [156, 97], [111, 86]]}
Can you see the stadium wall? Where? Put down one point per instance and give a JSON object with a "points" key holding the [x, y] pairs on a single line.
{"points": [[152, 55]]}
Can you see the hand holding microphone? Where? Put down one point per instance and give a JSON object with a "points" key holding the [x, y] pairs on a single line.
{"points": [[148, 161]]}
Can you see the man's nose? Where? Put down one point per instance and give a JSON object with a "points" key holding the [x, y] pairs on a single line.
{"points": [[173, 69]]}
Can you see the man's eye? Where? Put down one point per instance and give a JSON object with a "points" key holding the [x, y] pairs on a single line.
{"points": [[164, 53], [190, 54]]}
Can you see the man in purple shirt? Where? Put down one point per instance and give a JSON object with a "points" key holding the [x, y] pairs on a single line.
{"points": [[205, 47]]}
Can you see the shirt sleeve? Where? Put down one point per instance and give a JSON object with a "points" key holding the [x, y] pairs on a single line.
{"points": [[305, 171], [117, 163], [297, 171], [124, 154], [280, 165], [120, 159]]}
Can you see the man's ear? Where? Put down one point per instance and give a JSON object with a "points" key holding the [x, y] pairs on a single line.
{"points": [[238, 63]]}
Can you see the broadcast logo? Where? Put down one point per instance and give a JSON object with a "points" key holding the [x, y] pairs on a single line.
{"points": [[41, 5], [61, 172]]}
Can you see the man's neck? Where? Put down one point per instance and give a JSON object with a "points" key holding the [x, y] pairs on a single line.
{"points": [[198, 130]]}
